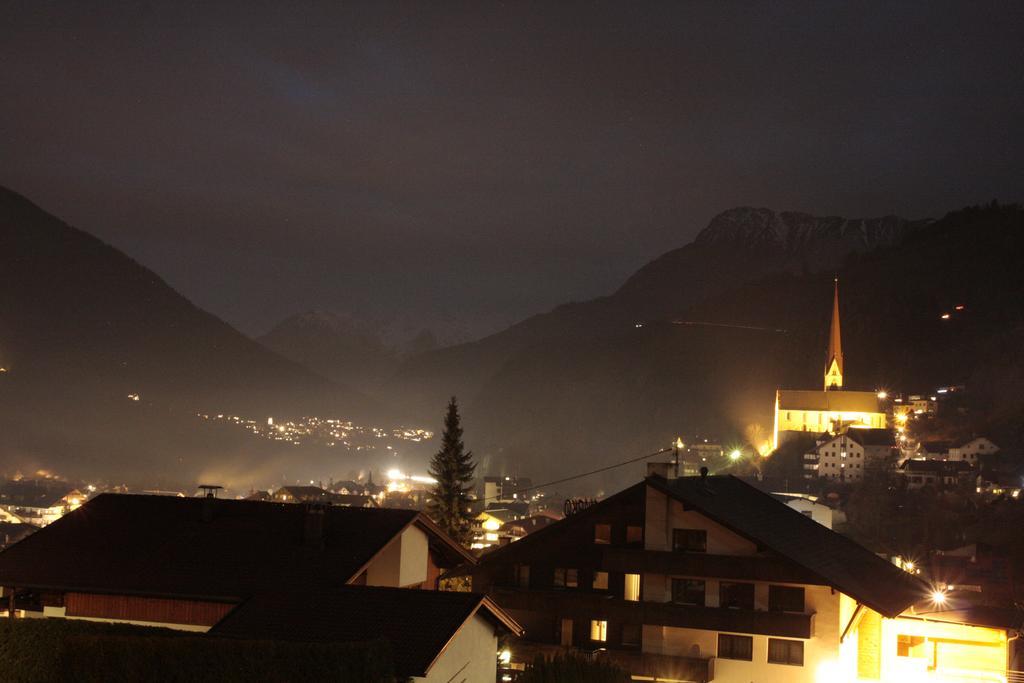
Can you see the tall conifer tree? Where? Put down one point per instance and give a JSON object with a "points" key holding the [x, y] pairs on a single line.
{"points": [[453, 469]]}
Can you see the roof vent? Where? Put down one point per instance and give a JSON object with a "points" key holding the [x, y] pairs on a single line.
{"points": [[209, 499], [313, 520]]}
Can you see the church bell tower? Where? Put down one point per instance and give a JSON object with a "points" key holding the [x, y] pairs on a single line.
{"points": [[834, 360]]}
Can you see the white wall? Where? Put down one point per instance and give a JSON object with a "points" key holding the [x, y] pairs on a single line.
{"points": [[471, 656], [819, 651], [664, 514], [403, 562]]}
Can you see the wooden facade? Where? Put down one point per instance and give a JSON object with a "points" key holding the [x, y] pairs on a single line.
{"points": [[154, 610]]}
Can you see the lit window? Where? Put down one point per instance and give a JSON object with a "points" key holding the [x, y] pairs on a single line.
{"points": [[690, 540], [785, 652], [598, 630], [565, 578], [603, 533], [601, 581], [631, 591], [735, 647]]}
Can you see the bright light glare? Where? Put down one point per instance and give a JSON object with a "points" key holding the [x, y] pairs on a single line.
{"points": [[939, 597], [883, 395], [506, 656], [736, 454], [395, 474]]}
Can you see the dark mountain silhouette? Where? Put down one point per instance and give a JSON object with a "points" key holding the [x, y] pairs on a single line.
{"points": [[338, 347], [82, 327], [584, 386]]}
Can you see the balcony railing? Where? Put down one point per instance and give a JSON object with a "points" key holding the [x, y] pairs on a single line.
{"points": [[698, 669], [750, 567], [582, 605]]}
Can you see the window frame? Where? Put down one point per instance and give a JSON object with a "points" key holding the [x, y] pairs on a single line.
{"points": [[569, 577], [689, 546], [703, 593], [594, 582], [748, 587], [774, 599], [730, 651], [791, 646], [599, 539], [600, 627]]}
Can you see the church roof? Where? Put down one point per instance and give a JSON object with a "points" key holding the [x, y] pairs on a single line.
{"points": [[828, 401], [835, 342]]}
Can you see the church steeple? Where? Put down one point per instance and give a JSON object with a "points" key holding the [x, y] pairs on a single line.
{"points": [[834, 362]]}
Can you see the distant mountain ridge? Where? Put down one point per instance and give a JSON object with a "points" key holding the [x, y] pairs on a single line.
{"points": [[737, 246], [83, 327], [594, 382]]}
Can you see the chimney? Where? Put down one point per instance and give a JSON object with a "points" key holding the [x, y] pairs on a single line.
{"points": [[313, 519], [665, 470], [209, 500]]}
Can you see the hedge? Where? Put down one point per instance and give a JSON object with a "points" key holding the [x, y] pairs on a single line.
{"points": [[44, 650]]}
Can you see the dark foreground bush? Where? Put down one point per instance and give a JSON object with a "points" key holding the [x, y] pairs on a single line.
{"points": [[45, 650], [571, 668]]}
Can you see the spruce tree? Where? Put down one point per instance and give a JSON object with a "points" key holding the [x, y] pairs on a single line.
{"points": [[453, 468]]}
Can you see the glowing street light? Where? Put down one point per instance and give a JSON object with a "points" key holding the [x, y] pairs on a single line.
{"points": [[883, 394], [735, 454], [939, 597]]}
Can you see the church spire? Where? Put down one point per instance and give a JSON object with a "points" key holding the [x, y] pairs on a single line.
{"points": [[834, 362]]}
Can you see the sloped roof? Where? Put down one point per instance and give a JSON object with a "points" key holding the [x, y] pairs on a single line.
{"points": [[161, 546], [828, 401], [837, 560], [872, 437], [950, 467], [418, 624]]}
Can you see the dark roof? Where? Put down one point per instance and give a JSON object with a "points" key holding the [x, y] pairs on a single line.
{"points": [[935, 446], [837, 560], [417, 623], [872, 437], [310, 493], [949, 468], [158, 545], [838, 401], [1009, 618]]}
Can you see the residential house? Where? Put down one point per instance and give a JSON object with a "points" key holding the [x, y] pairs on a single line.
{"points": [[39, 502], [807, 506], [968, 451], [259, 569], [707, 578], [935, 473]]}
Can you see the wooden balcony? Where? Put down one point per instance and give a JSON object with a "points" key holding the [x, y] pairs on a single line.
{"points": [[696, 669], [577, 604], [748, 567]]}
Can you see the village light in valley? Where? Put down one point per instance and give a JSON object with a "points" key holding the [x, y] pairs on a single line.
{"points": [[735, 454], [939, 597]]}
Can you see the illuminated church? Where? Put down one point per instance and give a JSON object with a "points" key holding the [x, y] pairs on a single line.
{"points": [[832, 409]]}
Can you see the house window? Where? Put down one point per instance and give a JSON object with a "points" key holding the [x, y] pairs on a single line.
{"points": [[688, 592], [735, 647], [785, 652], [598, 630], [911, 646], [690, 540], [523, 575], [631, 591], [603, 533], [565, 578], [785, 599], [631, 634], [736, 595], [635, 535], [601, 581]]}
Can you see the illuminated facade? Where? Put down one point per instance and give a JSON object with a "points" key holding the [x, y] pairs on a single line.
{"points": [[708, 579], [831, 409]]}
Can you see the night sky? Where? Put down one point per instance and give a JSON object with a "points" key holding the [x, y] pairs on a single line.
{"points": [[485, 161]]}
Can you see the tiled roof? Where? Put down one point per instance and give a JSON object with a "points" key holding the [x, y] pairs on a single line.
{"points": [[166, 546], [837, 560], [872, 437], [418, 624]]}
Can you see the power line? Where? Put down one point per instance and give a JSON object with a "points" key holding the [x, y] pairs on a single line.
{"points": [[585, 474], [736, 327]]}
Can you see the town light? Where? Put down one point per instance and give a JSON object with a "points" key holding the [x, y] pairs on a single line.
{"points": [[883, 394], [505, 656], [679, 442], [939, 597], [735, 454]]}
